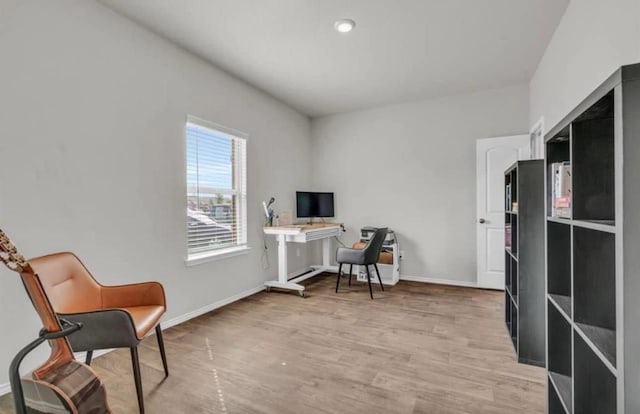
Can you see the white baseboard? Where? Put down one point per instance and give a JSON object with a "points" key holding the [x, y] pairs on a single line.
{"points": [[296, 273], [208, 308], [449, 282], [82, 356], [6, 387]]}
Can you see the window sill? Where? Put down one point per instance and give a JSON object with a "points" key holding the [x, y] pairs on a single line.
{"points": [[200, 258]]}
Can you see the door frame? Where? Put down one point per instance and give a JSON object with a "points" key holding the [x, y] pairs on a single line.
{"points": [[523, 154], [537, 140]]}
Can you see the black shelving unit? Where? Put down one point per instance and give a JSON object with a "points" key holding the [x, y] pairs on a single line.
{"points": [[524, 260], [593, 263]]}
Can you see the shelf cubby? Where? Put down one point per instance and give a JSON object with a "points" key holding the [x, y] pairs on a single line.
{"points": [[514, 238], [514, 188], [593, 162], [507, 187], [560, 355], [604, 341], [555, 404], [601, 225], [511, 319], [559, 264], [558, 149], [562, 302], [514, 280], [514, 327], [507, 272], [594, 384], [507, 311], [594, 288]]}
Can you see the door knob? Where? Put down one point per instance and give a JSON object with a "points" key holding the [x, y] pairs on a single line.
{"points": [[482, 221]]}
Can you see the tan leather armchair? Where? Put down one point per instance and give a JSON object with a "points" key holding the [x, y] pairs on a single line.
{"points": [[112, 316]]}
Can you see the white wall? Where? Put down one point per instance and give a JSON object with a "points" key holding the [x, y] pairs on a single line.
{"points": [[92, 113], [593, 39], [412, 167]]}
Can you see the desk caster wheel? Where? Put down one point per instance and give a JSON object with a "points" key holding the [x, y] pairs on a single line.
{"points": [[302, 293]]}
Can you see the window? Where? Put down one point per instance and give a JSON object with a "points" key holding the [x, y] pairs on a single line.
{"points": [[216, 190]]}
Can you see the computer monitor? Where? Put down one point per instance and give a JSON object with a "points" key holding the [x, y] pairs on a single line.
{"points": [[314, 204]]}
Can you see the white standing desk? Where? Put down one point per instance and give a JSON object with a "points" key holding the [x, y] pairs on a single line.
{"points": [[301, 233]]}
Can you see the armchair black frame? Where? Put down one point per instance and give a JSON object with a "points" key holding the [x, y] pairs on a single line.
{"points": [[112, 328]]}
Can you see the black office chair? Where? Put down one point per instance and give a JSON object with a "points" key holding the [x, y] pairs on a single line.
{"points": [[364, 257]]}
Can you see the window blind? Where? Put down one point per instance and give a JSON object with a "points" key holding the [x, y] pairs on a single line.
{"points": [[216, 188]]}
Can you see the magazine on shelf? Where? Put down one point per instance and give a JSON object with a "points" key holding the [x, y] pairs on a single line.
{"points": [[561, 189]]}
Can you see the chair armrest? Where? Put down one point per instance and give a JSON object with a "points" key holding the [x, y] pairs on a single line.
{"points": [[102, 329], [350, 256], [138, 294]]}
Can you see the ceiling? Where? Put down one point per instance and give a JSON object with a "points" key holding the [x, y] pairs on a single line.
{"points": [[400, 50]]}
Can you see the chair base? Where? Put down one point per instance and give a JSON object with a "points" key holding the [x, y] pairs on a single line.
{"points": [[88, 357], [135, 361], [369, 281], [379, 278], [368, 277], [163, 354]]}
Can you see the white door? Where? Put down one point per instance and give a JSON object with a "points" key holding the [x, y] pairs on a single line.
{"points": [[493, 157]]}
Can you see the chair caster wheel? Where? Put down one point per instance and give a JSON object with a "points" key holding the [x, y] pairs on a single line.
{"points": [[302, 293]]}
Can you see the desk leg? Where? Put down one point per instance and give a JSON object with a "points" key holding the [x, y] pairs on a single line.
{"points": [[283, 272], [326, 252]]}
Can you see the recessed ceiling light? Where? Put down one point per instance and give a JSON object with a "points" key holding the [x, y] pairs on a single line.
{"points": [[344, 25]]}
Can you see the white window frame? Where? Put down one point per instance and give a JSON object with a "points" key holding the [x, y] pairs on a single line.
{"points": [[240, 191]]}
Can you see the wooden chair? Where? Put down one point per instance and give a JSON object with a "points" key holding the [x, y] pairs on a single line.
{"points": [[112, 316]]}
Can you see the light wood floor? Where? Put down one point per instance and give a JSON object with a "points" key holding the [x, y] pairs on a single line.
{"points": [[416, 348]]}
